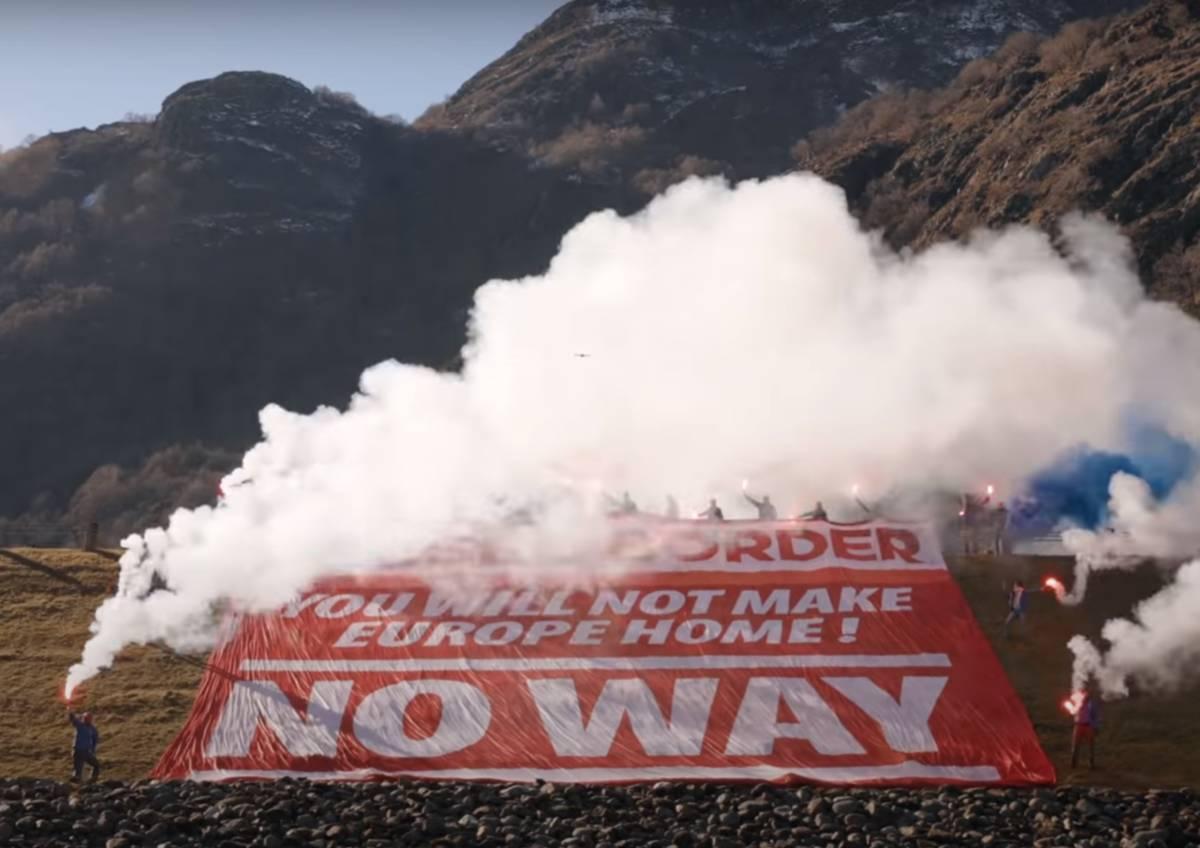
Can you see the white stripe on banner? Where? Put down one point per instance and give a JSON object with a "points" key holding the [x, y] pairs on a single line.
{"points": [[785, 565], [702, 661], [832, 774]]}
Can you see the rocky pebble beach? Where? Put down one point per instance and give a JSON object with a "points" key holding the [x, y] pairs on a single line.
{"points": [[322, 815]]}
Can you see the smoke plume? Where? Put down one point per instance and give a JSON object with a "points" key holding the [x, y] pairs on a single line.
{"points": [[1159, 646], [722, 334]]}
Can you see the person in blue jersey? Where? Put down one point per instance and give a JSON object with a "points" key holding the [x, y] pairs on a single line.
{"points": [[87, 739]]}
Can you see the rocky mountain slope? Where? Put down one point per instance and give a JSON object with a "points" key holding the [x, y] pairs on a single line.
{"points": [[1105, 117], [647, 89], [260, 242], [160, 282]]}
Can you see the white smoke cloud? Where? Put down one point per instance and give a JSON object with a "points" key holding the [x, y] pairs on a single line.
{"points": [[721, 334], [1159, 646], [1139, 526]]}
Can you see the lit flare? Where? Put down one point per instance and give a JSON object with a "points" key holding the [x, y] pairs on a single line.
{"points": [[1055, 585], [1074, 703], [68, 696]]}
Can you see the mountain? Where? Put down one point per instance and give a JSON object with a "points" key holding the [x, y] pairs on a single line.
{"points": [[1105, 117], [258, 242], [646, 90]]}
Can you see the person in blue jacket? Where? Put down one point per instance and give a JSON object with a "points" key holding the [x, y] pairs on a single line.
{"points": [[87, 738], [1018, 602]]}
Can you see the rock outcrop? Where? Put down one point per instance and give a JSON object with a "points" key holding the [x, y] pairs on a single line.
{"points": [[262, 242], [647, 89], [1104, 118], [258, 242]]}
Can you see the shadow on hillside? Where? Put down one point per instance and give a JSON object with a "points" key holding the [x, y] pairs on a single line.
{"points": [[57, 574]]}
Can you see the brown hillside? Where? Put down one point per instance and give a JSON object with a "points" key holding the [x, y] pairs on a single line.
{"points": [[654, 90], [50, 595], [253, 217], [160, 283], [1104, 117]]}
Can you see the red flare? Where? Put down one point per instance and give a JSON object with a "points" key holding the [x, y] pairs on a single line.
{"points": [[1055, 585], [1073, 704], [75, 696]]}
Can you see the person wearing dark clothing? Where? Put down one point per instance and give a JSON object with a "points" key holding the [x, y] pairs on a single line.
{"points": [[713, 512], [87, 738], [1018, 602], [817, 514], [766, 509], [1000, 528], [1087, 724], [624, 506]]}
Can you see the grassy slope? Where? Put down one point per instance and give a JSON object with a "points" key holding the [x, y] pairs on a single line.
{"points": [[48, 598], [1146, 740]]}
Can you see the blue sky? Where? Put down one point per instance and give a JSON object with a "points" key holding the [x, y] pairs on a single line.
{"points": [[73, 63]]}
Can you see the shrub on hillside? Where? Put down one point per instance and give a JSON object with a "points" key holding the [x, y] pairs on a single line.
{"points": [[1068, 48], [589, 146], [24, 170], [657, 180], [41, 262], [1175, 276], [897, 114], [124, 500], [46, 305], [328, 97]]}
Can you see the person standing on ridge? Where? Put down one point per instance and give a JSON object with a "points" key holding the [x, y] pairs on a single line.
{"points": [[713, 512], [1018, 601], [999, 528], [86, 740], [766, 509], [624, 506], [817, 514], [1087, 724], [967, 520]]}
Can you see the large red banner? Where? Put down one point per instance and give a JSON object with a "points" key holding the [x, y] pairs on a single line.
{"points": [[729, 651]]}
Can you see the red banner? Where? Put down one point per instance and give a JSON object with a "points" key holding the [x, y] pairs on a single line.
{"points": [[729, 651]]}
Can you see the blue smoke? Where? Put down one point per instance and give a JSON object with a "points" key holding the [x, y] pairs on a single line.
{"points": [[1075, 488]]}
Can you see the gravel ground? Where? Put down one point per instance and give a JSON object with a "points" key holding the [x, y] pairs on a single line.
{"points": [[289, 812]]}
